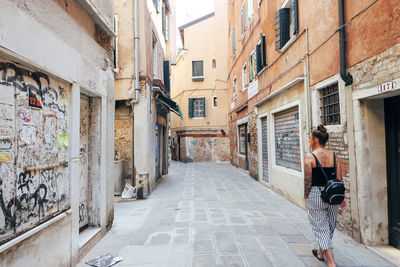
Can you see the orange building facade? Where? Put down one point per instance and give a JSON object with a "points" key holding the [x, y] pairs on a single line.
{"points": [[292, 67]]}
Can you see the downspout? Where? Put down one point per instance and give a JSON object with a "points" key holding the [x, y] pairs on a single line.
{"points": [[307, 87], [346, 77], [135, 14]]}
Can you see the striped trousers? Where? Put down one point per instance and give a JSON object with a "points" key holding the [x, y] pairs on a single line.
{"points": [[322, 218]]}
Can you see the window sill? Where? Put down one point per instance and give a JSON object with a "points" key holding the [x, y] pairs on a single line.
{"points": [[241, 156], [289, 43], [197, 79]]}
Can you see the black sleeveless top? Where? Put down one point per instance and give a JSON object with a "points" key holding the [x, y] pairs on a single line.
{"points": [[318, 178]]}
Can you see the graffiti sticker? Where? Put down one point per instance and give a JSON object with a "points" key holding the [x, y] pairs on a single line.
{"points": [[63, 140], [5, 149]]}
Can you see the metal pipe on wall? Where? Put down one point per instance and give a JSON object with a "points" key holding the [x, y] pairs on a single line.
{"points": [[346, 77], [135, 14]]}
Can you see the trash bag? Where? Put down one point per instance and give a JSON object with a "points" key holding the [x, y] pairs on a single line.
{"points": [[129, 192], [104, 261]]}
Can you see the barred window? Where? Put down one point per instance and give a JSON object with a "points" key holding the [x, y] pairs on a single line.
{"points": [[242, 139], [330, 107], [197, 107]]}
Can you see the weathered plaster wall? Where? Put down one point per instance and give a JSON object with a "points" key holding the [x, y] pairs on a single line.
{"points": [[33, 166], [204, 149], [32, 35]]}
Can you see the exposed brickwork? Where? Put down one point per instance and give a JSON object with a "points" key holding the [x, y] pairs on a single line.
{"points": [[233, 144], [377, 70], [123, 144], [253, 156], [338, 143], [204, 149]]}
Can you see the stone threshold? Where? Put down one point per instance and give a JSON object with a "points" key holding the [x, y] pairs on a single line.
{"points": [[86, 235], [389, 253]]}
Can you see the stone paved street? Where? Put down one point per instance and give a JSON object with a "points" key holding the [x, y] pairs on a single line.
{"points": [[210, 214]]}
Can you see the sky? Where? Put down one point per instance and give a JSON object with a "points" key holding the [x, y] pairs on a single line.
{"points": [[189, 10]]}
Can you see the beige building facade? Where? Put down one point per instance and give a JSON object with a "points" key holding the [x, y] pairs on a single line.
{"points": [[56, 130], [199, 86], [144, 43]]}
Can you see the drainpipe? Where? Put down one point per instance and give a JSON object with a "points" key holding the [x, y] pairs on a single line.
{"points": [[346, 77], [135, 14]]}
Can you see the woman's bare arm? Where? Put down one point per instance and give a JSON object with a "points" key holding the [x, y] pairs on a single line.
{"points": [[307, 175]]}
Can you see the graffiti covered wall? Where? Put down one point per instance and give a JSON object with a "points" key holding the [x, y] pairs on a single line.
{"points": [[34, 184]]}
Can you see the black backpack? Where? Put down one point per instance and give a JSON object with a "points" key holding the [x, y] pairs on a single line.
{"points": [[333, 193]]}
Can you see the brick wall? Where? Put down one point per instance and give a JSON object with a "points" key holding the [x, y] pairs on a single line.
{"points": [[233, 144], [204, 149], [123, 144], [338, 143], [252, 146]]}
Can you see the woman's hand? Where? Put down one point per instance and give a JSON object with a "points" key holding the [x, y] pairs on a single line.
{"points": [[342, 206]]}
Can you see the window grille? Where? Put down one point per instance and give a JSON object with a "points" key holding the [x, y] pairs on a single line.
{"points": [[330, 107], [197, 107]]}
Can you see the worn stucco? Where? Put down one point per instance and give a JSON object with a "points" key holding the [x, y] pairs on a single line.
{"points": [[57, 62]]}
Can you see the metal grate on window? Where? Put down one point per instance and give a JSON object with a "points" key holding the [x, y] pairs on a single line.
{"points": [[330, 107]]}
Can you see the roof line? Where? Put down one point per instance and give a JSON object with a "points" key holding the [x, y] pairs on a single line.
{"points": [[196, 21]]}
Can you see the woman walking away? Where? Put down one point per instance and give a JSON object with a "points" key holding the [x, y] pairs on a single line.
{"points": [[318, 166]]}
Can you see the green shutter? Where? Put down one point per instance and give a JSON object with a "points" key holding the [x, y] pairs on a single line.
{"points": [[191, 100], [204, 107], [234, 40]]}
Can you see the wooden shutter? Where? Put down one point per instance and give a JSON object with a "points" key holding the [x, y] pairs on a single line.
{"points": [[204, 106], [263, 51], [234, 40], [191, 100], [295, 16], [282, 27], [166, 76], [287, 139], [259, 59]]}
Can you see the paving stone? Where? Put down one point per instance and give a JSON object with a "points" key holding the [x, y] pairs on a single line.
{"points": [[272, 242], [285, 229], [224, 236], [243, 230], [160, 239], [285, 257], [205, 260], [231, 222], [200, 246], [227, 247], [231, 261], [237, 220], [302, 249], [257, 259], [249, 243]]}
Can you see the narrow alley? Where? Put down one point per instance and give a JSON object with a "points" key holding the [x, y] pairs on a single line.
{"points": [[212, 214]]}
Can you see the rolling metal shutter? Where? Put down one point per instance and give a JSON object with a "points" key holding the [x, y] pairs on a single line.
{"points": [[287, 139], [265, 149]]}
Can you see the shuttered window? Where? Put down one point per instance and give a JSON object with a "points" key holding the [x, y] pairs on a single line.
{"points": [[197, 107], [286, 23], [287, 139], [165, 21], [261, 58], [234, 40], [166, 76], [264, 141], [252, 73]]}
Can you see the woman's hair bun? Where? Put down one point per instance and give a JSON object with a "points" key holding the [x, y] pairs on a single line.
{"points": [[321, 128]]}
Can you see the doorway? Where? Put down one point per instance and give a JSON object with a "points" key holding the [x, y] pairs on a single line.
{"points": [[392, 120], [84, 163]]}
